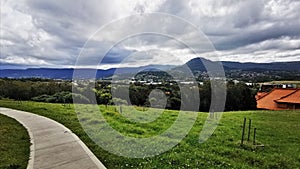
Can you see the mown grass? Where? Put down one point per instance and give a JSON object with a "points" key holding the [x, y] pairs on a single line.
{"points": [[14, 144], [278, 131]]}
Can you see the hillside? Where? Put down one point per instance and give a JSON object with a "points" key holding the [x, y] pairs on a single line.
{"points": [[67, 74], [198, 64], [195, 65], [275, 66], [278, 131]]}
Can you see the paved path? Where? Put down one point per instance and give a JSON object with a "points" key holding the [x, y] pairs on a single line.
{"points": [[53, 145]]}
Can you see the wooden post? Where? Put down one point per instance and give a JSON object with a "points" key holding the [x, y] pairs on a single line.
{"points": [[249, 130], [254, 136], [243, 133]]}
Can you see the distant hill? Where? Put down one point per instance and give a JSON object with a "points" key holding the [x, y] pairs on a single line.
{"points": [[197, 64], [50, 73], [200, 64], [67, 74], [280, 66]]}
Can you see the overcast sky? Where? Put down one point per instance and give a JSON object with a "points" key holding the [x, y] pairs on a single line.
{"points": [[50, 33]]}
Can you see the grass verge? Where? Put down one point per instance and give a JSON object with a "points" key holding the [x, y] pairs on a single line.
{"points": [[14, 144]]}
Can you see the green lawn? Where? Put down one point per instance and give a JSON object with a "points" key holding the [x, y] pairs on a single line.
{"points": [[14, 144], [278, 131]]}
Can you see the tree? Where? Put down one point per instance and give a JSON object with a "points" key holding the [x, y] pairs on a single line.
{"points": [[239, 97]]}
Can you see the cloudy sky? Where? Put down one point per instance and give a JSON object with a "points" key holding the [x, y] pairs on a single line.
{"points": [[49, 33]]}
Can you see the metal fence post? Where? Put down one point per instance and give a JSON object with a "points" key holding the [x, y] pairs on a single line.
{"points": [[249, 130], [254, 136]]}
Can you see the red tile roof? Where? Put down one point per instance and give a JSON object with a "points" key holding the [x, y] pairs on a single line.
{"points": [[260, 95], [268, 101], [291, 98]]}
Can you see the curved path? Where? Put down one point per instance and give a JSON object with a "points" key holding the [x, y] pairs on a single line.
{"points": [[53, 145]]}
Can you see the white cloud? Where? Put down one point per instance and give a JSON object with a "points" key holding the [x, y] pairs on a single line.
{"points": [[52, 33], [28, 60]]}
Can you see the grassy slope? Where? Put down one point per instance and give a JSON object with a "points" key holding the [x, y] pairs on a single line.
{"points": [[279, 131], [14, 144]]}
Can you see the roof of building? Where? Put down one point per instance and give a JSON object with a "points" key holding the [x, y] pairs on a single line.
{"points": [[260, 95], [268, 100], [291, 98]]}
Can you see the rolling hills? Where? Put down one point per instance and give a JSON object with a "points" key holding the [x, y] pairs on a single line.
{"points": [[197, 64]]}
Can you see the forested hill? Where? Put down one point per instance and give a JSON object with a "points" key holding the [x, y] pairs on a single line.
{"points": [[275, 66], [197, 64], [50, 73], [67, 74]]}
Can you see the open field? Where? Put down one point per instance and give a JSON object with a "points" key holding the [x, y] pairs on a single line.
{"points": [[278, 131], [14, 144]]}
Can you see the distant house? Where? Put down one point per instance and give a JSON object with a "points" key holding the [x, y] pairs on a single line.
{"points": [[279, 99], [269, 86]]}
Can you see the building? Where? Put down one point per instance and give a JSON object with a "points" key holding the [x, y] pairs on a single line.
{"points": [[279, 99], [291, 101], [270, 86]]}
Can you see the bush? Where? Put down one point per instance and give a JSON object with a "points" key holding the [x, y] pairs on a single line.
{"points": [[41, 98], [118, 101], [78, 97], [61, 97]]}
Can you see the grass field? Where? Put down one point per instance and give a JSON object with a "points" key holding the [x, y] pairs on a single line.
{"points": [[14, 144], [278, 131]]}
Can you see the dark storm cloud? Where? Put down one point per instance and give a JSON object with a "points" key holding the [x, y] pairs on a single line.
{"points": [[255, 36]]}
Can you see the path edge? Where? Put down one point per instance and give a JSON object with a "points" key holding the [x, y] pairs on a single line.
{"points": [[31, 147]]}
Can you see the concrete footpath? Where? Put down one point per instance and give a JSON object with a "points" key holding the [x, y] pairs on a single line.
{"points": [[53, 145]]}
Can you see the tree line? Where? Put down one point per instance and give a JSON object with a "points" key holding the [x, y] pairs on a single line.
{"points": [[239, 96]]}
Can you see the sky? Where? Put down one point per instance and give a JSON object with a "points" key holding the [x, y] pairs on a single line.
{"points": [[48, 33]]}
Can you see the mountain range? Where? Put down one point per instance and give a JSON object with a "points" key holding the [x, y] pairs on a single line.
{"points": [[82, 73], [197, 64]]}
